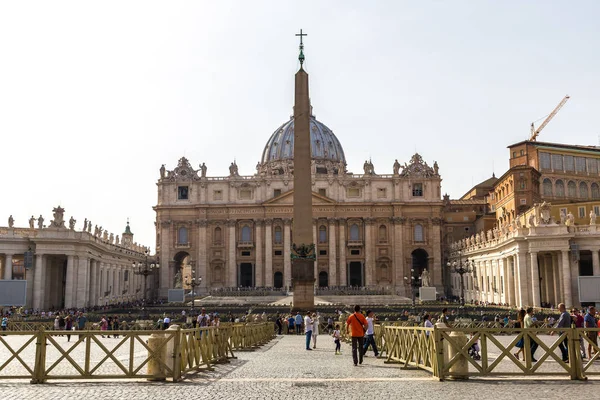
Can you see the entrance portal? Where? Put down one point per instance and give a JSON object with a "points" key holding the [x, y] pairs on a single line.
{"points": [[323, 279], [246, 275], [420, 262], [278, 280], [355, 275]]}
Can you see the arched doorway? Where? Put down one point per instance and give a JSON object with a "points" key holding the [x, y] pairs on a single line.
{"points": [[355, 274], [420, 260], [181, 267], [246, 275], [323, 279], [278, 280]]}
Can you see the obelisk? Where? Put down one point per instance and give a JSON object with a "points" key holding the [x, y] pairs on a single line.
{"points": [[303, 250]]}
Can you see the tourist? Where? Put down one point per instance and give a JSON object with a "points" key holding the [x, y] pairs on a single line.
{"points": [[291, 322], [4, 323], [104, 325], [81, 321], [68, 327], [315, 329], [298, 322], [370, 334], [203, 320], [166, 322], [279, 324], [577, 320], [329, 325], [564, 321], [529, 323], [216, 322], [115, 327], [356, 325], [336, 339], [519, 323], [589, 321], [444, 317], [57, 323], [427, 323], [308, 327]]}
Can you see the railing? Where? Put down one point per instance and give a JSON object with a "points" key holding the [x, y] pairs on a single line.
{"points": [[155, 355], [449, 352]]}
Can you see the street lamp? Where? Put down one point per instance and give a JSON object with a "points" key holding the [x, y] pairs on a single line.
{"points": [[144, 269], [413, 282], [461, 268], [193, 282]]}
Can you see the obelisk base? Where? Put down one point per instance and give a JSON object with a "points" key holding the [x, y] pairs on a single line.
{"points": [[304, 285]]}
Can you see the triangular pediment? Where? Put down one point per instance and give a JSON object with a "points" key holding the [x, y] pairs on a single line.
{"points": [[288, 198]]}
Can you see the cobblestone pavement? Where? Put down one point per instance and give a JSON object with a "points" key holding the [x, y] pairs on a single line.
{"points": [[284, 370]]}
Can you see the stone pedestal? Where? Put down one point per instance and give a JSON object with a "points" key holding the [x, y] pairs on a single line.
{"points": [[155, 367], [304, 285]]}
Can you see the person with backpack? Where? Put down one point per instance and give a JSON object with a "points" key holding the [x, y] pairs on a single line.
{"points": [[356, 325]]}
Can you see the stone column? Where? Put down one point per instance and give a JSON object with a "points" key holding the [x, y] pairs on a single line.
{"points": [[509, 282], [316, 242], [596, 262], [369, 266], [29, 277], [93, 295], [343, 281], [69, 288], [201, 264], [557, 280], [399, 256], [39, 284], [566, 278], [436, 269], [287, 260], [332, 278], [231, 258], [535, 279], [258, 267], [8, 266], [524, 288], [269, 252], [82, 282], [503, 272]]}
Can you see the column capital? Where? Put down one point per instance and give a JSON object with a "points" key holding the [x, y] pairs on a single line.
{"points": [[268, 221], [369, 220], [287, 221], [231, 223], [332, 220], [259, 222], [399, 220], [201, 223]]}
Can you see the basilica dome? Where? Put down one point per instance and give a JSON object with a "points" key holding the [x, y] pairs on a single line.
{"points": [[324, 145]]}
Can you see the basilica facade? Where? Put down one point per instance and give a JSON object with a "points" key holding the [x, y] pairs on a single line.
{"points": [[373, 229]]}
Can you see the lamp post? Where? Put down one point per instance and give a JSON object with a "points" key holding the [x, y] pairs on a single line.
{"points": [[461, 268], [413, 282], [193, 282], [144, 269]]}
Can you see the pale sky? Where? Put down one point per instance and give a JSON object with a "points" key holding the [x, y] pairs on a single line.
{"points": [[95, 96]]}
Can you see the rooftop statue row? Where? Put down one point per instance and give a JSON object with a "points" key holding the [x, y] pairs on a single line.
{"points": [[416, 168]]}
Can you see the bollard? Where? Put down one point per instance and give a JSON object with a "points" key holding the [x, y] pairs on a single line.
{"points": [[170, 348], [460, 369], [156, 366]]}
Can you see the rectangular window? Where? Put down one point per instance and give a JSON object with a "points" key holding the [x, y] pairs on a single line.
{"points": [[465, 218], [563, 211], [355, 252], [353, 192], [182, 192], [323, 192], [514, 154], [276, 192], [246, 253], [592, 165], [381, 193], [523, 184], [322, 252], [569, 163], [581, 212], [557, 162], [417, 190], [523, 201], [596, 210], [580, 164], [218, 195], [545, 161], [245, 194], [278, 252], [522, 152]]}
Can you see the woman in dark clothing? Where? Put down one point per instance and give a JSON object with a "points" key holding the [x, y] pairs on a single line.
{"points": [[519, 325]]}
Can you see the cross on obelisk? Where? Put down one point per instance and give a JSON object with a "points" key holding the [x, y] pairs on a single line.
{"points": [[303, 249]]}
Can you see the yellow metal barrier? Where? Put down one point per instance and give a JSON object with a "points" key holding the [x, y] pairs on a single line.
{"points": [[48, 355]]}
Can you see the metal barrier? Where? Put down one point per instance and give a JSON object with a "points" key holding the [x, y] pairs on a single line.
{"points": [[60, 355], [440, 350]]}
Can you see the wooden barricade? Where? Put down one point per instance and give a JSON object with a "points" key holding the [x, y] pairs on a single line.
{"points": [[411, 346]]}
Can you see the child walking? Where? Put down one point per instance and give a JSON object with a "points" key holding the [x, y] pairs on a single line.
{"points": [[336, 340]]}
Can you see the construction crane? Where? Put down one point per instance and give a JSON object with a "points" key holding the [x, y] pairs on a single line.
{"points": [[536, 132]]}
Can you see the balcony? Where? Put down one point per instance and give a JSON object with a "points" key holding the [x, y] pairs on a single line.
{"points": [[182, 245], [245, 245], [355, 243]]}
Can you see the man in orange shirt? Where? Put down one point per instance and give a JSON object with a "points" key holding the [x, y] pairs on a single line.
{"points": [[356, 325]]}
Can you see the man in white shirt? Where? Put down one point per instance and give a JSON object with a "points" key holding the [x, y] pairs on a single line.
{"points": [[308, 327], [166, 322], [370, 334]]}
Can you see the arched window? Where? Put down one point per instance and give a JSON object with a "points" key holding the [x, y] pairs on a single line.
{"points": [[572, 189], [322, 234], [418, 233], [382, 233], [547, 185], [277, 236], [246, 234], [218, 273], [182, 236], [583, 190], [217, 237], [595, 191], [354, 232], [560, 188]]}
